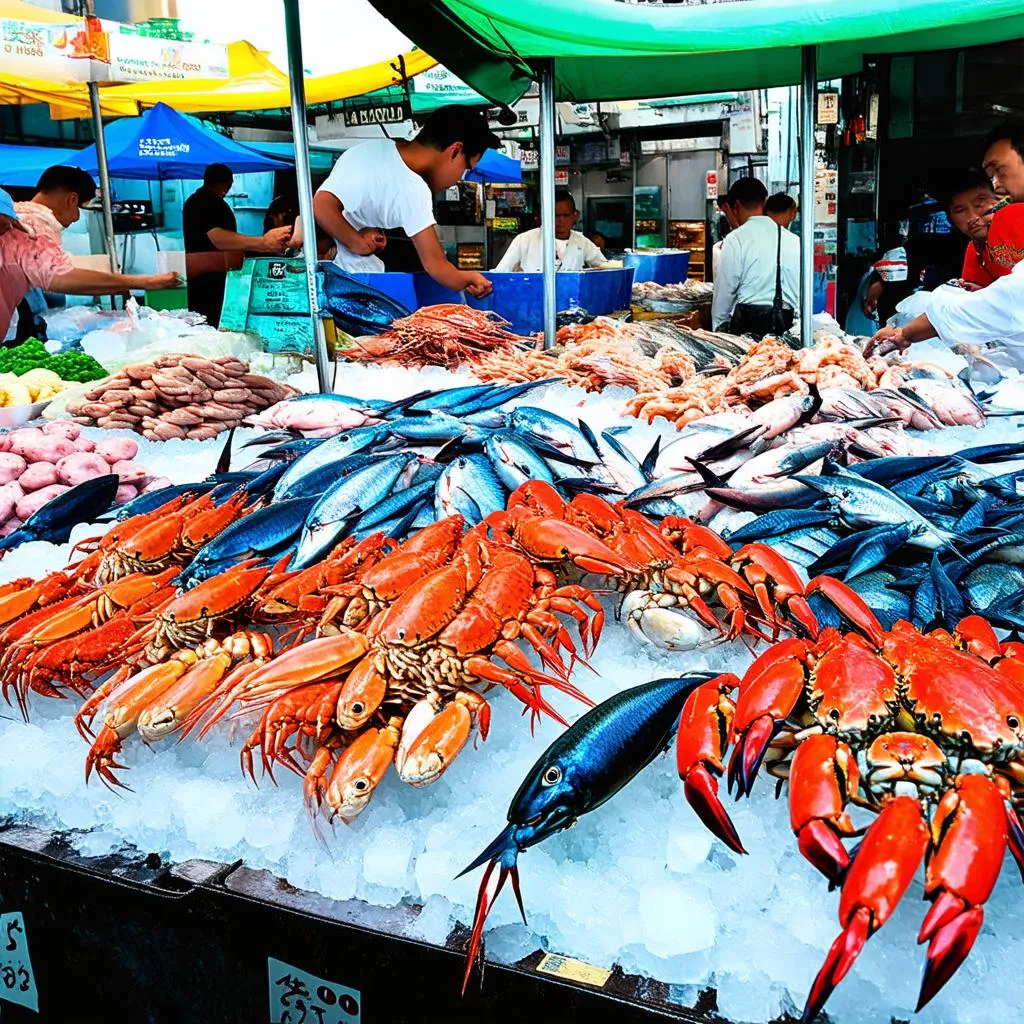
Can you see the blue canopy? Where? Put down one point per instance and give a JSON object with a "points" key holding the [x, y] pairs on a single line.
{"points": [[22, 165], [495, 166], [163, 144]]}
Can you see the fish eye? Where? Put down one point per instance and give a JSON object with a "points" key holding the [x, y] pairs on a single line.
{"points": [[551, 775], [357, 708], [359, 785], [1012, 721]]}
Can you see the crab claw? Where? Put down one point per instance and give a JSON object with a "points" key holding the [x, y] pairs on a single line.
{"points": [[821, 778], [770, 691], [969, 837], [884, 867], [850, 605], [502, 854], [704, 726]]}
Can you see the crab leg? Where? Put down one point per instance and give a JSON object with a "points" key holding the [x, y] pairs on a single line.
{"points": [[884, 867], [969, 837]]}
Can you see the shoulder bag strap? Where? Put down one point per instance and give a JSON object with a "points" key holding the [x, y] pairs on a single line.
{"points": [[777, 302]]}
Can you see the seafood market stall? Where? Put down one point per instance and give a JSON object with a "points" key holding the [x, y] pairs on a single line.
{"points": [[274, 530]]}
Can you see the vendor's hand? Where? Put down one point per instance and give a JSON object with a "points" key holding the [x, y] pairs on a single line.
{"points": [[888, 339], [158, 282], [371, 240], [476, 284], [276, 240]]}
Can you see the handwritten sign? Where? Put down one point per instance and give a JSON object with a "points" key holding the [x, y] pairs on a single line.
{"points": [[297, 997], [17, 982]]}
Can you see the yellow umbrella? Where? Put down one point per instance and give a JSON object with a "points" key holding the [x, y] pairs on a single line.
{"points": [[254, 83]]}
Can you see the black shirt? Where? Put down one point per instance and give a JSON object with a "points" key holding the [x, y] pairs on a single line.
{"points": [[203, 211]]}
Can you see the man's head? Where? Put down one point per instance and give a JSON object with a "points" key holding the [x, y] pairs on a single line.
{"points": [[1003, 161], [969, 199], [781, 208], [727, 211], [565, 213], [747, 197], [459, 135], [64, 191], [218, 178]]}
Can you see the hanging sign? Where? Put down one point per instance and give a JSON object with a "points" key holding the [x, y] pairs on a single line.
{"points": [[828, 107], [385, 113], [711, 185], [561, 179]]}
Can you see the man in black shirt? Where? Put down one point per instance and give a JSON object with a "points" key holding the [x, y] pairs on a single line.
{"points": [[209, 227]]}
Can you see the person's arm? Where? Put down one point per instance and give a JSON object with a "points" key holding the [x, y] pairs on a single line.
{"points": [[511, 261], [328, 211], [435, 263], [101, 282], [592, 256], [275, 241], [727, 282]]}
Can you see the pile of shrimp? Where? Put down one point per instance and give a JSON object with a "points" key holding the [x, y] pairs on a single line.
{"points": [[770, 369], [591, 356]]}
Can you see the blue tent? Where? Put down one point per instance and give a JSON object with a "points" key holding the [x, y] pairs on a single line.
{"points": [[495, 166], [22, 165], [163, 144]]}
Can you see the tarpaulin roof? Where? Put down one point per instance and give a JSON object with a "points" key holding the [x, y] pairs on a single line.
{"points": [[22, 165], [606, 49], [254, 83], [164, 144], [495, 166]]}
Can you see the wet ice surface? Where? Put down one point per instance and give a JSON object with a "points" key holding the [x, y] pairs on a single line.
{"points": [[639, 882]]}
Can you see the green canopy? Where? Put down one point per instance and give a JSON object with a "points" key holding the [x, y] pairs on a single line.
{"points": [[608, 50]]}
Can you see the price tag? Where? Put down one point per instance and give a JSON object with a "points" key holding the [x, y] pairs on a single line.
{"points": [[297, 997], [17, 982]]}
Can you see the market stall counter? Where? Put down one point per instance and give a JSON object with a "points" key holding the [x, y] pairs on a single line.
{"points": [[206, 941]]}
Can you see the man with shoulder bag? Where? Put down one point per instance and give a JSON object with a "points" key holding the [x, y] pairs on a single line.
{"points": [[757, 287]]}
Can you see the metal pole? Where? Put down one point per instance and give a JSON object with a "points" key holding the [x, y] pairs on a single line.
{"points": [[808, 99], [101, 160], [305, 186], [547, 197]]}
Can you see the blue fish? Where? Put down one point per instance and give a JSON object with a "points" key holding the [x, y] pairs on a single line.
{"points": [[587, 765], [83, 503], [514, 461]]}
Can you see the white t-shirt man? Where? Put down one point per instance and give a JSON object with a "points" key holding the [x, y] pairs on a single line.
{"points": [[377, 190], [746, 271], [572, 254]]}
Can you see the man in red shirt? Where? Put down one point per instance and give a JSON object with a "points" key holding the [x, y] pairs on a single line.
{"points": [[33, 257], [971, 199]]}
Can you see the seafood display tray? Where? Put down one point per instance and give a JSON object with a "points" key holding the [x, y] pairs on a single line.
{"points": [[126, 937]]}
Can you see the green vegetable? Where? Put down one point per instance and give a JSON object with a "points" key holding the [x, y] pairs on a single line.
{"points": [[70, 366]]}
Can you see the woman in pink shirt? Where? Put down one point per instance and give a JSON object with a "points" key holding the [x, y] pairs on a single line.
{"points": [[33, 257]]}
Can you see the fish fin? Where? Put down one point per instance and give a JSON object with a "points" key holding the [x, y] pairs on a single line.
{"points": [[709, 476], [589, 434], [224, 462], [647, 467]]}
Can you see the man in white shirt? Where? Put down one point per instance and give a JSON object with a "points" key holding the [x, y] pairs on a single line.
{"points": [[992, 315], [751, 256], [384, 184], [573, 250]]}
